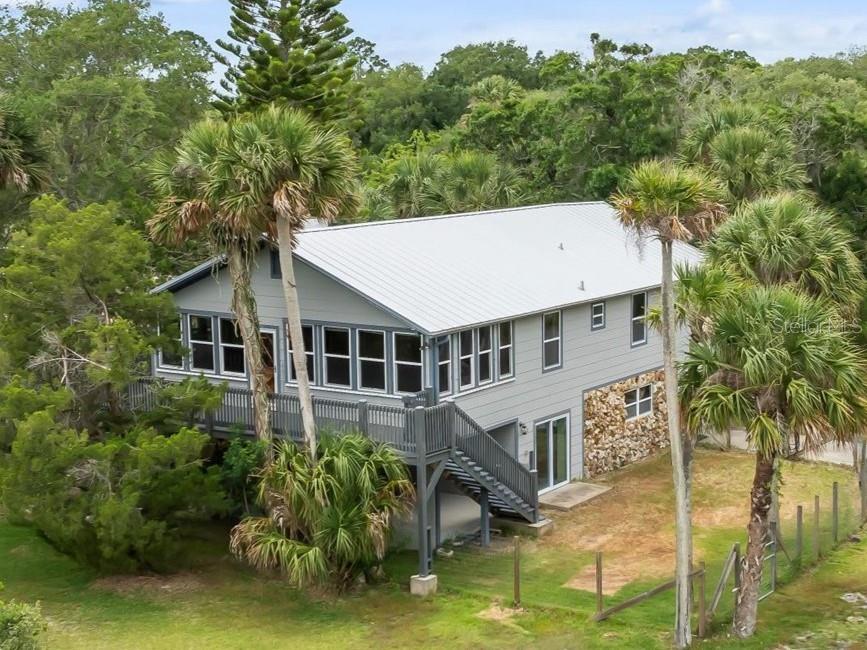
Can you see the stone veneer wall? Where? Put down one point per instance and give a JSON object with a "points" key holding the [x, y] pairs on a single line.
{"points": [[610, 442]]}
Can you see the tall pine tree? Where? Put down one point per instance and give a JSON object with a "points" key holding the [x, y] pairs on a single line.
{"points": [[292, 52]]}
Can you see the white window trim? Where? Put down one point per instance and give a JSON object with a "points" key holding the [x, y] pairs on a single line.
{"points": [[230, 373], [471, 356], [330, 355], [163, 364], [444, 362], [212, 343], [638, 402], [311, 355], [593, 325], [634, 318], [480, 352], [549, 423], [396, 363], [510, 347], [383, 360], [558, 338]]}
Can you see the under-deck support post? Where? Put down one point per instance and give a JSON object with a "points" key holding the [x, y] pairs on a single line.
{"points": [[438, 534], [485, 517], [424, 583]]}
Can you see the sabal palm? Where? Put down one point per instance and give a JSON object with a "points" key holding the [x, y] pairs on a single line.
{"points": [[328, 519], [412, 178], [672, 203], [776, 364], [22, 158], [472, 181], [196, 187], [292, 169]]}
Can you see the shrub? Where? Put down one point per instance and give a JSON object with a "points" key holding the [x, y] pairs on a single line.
{"points": [[178, 403], [328, 520], [20, 625], [241, 460], [18, 400], [115, 504]]}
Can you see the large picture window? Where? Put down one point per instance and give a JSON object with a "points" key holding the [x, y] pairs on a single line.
{"points": [[467, 358], [638, 401], [231, 348], [444, 365], [371, 359], [201, 342], [407, 363], [336, 354], [171, 354], [504, 344], [551, 339], [486, 359], [639, 318], [309, 352]]}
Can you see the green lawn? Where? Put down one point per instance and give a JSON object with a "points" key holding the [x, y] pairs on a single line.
{"points": [[219, 604]]}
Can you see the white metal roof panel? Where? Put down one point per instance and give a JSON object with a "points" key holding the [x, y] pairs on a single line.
{"points": [[445, 273]]}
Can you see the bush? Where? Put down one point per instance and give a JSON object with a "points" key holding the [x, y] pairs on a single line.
{"points": [[241, 460], [178, 403], [328, 520], [20, 625], [115, 504]]}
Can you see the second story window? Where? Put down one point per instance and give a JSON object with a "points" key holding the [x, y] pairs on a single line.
{"points": [[444, 365], [504, 343], [170, 355], [467, 361], [201, 342], [371, 359], [309, 352], [486, 359], [638, 331], [231, 348], [597, 315], [336, 354], [551, 340], [407, 363]]}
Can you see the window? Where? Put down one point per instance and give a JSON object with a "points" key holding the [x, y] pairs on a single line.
{"points": [[336, 354], [444, 365], [231, 348], [201, 342], [170, 355], [597, 315], [371, 359], [467, 361], [276, 271], [638, 401], [309, 352], [504, 343], [486, 359], [639, 314], [407, 363], [551, 337]]}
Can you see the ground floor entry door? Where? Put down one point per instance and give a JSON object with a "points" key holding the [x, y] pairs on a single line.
{"points": [[552, 451]]}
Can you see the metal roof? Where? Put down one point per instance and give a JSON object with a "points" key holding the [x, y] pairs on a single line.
{"points": [[454, 271]]}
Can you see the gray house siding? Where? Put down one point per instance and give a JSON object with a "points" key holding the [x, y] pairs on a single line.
{"points": [[590, 358]]}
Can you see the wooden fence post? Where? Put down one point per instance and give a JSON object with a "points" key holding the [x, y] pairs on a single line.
{"points": [[816, 541], [702, 603], [363, 417], [598, 583], [799, 533], [835, 512], [737, 588], [516, 600]]}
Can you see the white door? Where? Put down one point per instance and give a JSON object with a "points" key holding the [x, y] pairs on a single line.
{"points": [[552, 452]]}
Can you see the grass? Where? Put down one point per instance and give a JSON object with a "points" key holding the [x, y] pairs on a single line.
{"points": [[218, 603]]}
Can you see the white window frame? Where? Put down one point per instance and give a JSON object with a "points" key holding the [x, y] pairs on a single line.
{"points": [[601, 315], [396, 363], [471, 356], [160, 362], [331, 355], [634, 318], [638, 402], [489, 352], [223, 346], [558, 338], [383, 360], [212, 343], [310, 354], [444, 362], [510, 346]]}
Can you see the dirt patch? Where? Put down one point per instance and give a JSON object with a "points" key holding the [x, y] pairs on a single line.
{"points": [[172, 584], [496, 612]]}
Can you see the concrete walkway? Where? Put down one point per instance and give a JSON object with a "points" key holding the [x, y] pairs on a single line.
{"points": [[830, 453], [571, 495]]}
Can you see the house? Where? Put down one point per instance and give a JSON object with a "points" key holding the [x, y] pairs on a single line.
{"points": [[528, 321]]}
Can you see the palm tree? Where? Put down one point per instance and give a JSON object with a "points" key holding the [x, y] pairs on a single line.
{"points": [[776, 365], [292, 170], [196, 185], [411, 179], [328, 519], [22, 158], [471, 181], [672, 203]]}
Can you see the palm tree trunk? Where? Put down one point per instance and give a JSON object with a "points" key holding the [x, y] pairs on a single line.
{"points": [[285, 241], [244, 307], [679, 461], [747, 604]]}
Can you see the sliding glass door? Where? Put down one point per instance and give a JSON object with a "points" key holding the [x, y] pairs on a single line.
{"points": [[552, 451]]}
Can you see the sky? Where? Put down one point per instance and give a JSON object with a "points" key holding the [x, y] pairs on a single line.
{"points": [[419, 31]]}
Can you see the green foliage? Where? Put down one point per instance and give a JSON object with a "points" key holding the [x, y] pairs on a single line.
{"points": [[294, 53], [177, 403], [18, 400], [329, 520], [20, 625], [242, 459], [114, 504], [466, 65]]}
